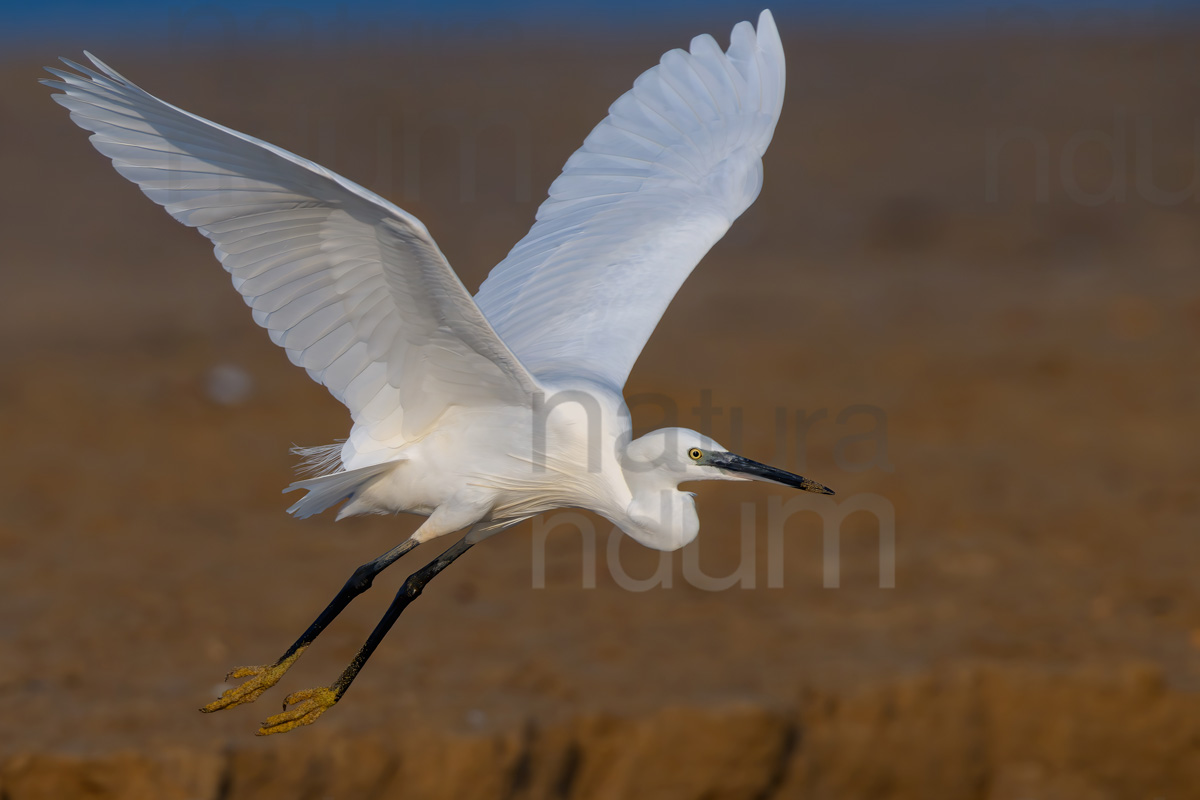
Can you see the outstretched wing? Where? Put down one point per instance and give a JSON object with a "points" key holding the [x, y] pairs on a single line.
{"points": [[354, 288], [653, 187]]}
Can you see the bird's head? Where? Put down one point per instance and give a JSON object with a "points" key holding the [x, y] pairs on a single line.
{"points": [[680, 455]]}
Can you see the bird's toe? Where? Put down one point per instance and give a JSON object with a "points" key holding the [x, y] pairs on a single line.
{"points": [[309, 705], [260, 678], [246, 672]]}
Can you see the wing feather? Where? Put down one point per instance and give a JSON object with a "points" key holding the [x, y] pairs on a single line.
{"points": [[653, 187], [353, 288]]}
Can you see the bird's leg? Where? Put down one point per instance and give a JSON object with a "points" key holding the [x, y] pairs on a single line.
{"points": [[313, 702], [264, 677]]}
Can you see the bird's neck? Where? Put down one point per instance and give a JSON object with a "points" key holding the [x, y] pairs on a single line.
{"points": [[659, 515]]}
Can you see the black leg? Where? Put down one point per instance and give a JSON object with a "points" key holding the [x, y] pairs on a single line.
{"points": [[410, 591], [264, 677], [313, 702], [359, 582]]}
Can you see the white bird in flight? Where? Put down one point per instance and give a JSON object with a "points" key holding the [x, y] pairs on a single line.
{"points": [[473, 412]]}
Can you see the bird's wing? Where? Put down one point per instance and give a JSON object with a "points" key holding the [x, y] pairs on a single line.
{"points": [[354, 288], [653, 187]]}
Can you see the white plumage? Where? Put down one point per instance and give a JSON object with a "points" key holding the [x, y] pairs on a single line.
{"points": [[474, 412], [653, 187]]}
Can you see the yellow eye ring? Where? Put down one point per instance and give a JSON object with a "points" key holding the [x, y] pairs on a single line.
{"points": [[694, 454]]}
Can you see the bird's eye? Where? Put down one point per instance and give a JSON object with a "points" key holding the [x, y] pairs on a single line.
{"points": [[694, 454]]}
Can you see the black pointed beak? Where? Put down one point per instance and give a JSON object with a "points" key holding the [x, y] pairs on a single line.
{"points": [[762, 472]]}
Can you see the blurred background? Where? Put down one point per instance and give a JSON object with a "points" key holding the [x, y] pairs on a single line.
{"points": [[967, 299]]}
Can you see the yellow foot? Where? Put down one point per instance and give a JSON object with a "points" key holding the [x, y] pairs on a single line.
{"points": [[313, 703], [261, 679]]}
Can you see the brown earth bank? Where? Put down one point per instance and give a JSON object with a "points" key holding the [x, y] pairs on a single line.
{"points": [[983, 732], [967, 299]]}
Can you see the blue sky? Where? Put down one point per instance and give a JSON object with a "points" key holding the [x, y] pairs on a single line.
{"points": [[27, 26]]}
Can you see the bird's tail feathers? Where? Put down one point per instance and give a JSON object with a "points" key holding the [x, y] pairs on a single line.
{"points": [[328, 490]]}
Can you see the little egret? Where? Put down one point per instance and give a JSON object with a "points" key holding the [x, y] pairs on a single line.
{"points": [[473, 412]]}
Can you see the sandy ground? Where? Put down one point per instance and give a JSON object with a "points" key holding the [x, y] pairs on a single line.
{"points": [[964, 255]]}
